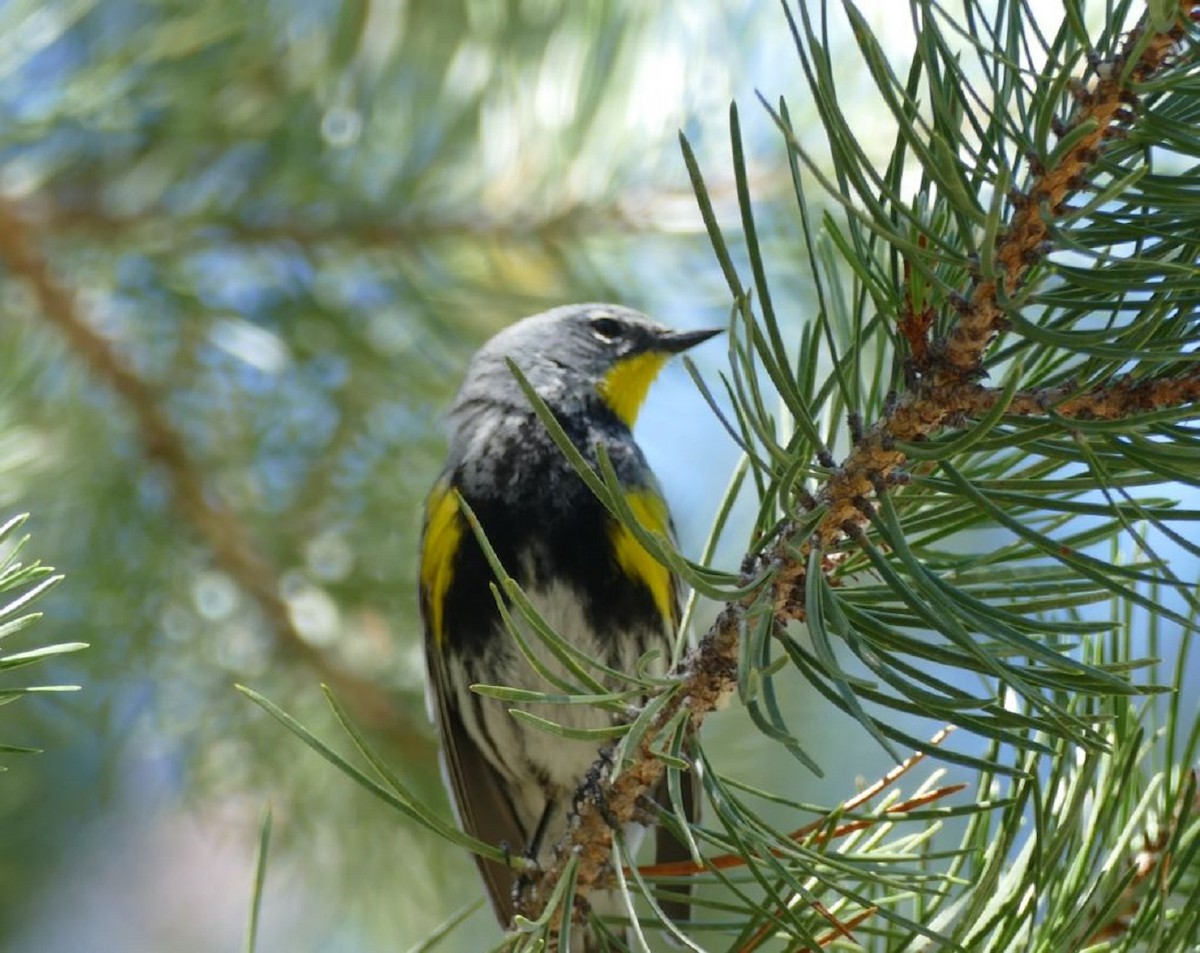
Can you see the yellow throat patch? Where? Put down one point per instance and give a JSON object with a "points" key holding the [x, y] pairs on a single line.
{"points": [[625, 386], [624, 390]]}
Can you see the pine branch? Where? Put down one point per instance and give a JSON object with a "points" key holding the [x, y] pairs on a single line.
{"points": [[1103, 111], [945, 388], [1115, 400], [941, 395]]}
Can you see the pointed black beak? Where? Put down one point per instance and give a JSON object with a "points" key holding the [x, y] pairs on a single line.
{"points": [[675, 342]]}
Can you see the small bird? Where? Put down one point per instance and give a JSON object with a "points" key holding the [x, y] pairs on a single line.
{"points": [[587, 576]]}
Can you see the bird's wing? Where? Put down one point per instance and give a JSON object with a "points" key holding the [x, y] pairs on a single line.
{"points": [[484, 808]]}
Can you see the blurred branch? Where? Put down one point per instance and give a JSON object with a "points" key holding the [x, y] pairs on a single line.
{"points": [[941, 394], [639, 211], [232, 548]]}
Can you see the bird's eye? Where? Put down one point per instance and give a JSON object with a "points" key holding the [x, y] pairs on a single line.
{"points": [[606, 329]]}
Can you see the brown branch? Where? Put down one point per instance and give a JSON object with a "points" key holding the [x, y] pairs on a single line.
{"points": [[818, 832], [643, 211], [946, 391], [213, 521], [1103, 110], [1118, 400], [889, 815]]}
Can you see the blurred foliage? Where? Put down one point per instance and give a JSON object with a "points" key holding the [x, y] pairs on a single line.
{"points": [[884, 442], [246, 251], [21, 585], [289, 224]]}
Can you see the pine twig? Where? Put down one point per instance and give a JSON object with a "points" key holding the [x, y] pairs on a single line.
{"points": [[943, 391]]}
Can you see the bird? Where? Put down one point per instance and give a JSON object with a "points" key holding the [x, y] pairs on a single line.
{"points": [[587, 576]]}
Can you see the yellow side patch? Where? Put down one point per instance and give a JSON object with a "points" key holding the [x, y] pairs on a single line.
{"points": [[625, 386], [651, 511], [443, 533]]}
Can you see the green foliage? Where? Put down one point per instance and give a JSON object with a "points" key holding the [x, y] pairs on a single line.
{"points": [[23, 584], [971, 583], [276, 235], [899, 608], [260, 879], [289, 228]]}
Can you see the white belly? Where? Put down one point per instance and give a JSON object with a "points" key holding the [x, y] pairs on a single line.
{"points": [[558, 764]]}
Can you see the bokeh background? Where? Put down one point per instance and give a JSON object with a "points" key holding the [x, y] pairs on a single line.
{"points": [[246, 252]]}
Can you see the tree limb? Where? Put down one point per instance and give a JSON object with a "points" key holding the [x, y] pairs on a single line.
{"points": [[944, 390]]}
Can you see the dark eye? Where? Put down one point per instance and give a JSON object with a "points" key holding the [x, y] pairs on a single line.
{"points": [[606, 329]]}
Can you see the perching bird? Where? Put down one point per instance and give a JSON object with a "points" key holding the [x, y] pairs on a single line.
{"points": [[587, 576]]}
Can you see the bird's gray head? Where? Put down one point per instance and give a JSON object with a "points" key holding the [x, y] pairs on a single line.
{"points": [[573, 354]]}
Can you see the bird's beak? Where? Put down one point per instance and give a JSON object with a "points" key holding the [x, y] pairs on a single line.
{"points": [[675, 342]]}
